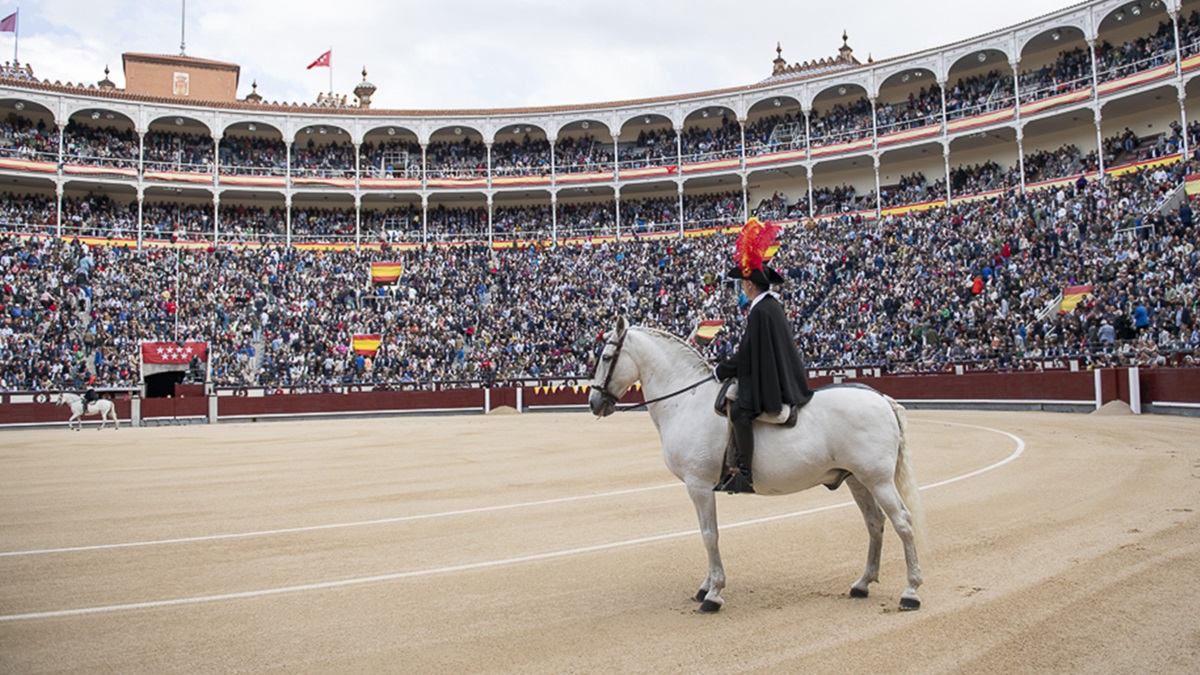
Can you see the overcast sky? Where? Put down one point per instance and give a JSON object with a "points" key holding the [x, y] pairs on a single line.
{"points": [[493, 53]]}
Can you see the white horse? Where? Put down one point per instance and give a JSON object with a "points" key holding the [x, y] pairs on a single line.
{"points": [[849, 433], [102, 407]]}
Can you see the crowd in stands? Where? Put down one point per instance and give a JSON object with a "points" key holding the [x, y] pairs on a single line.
{"points": [[1067, 160], [918, 292], [703, 144], [971, 284], [979, 94], [913, 189], [653, 147], [922, 108], [981, 178], [1071, 70], [330, 160], [20, 137], [456, 159], [1189, 34], [252, 156], [775, 133], [114, 217], [529, 157], [390, 159], [172, 151], [100, 146], [582, 154], [1134, 56], [841, 123]]}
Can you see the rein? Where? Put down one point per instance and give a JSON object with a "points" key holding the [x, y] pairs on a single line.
{"points": [[607, 396], [635, 406]]}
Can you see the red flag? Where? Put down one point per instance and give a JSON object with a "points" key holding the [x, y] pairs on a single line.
{"points": [[322, 60], [172, 353], [9, 23]]}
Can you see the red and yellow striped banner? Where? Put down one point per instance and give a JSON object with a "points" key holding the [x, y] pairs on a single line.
{"points": [[1072, 295], [365, 343], [386, 272], [706, 331]]}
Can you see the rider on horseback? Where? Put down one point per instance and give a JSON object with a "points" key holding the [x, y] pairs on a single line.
{"points": [[90, 396], [768, 367]]}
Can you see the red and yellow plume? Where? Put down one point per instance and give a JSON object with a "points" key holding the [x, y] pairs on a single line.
{"points": [[752, 245]]}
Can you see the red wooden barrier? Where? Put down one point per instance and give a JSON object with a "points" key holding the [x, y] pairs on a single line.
{"points": [[1156, 385], [366, 401]]}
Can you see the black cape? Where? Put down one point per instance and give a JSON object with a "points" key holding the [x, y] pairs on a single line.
{"points": [[768, 366]]}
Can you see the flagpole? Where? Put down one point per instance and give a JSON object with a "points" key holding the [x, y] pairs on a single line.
{"points": [[17, 37], [331, 71]]}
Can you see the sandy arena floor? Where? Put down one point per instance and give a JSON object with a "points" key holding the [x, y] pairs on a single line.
{"points": [[556, 543]]}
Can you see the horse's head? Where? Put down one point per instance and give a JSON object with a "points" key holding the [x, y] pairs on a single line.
{"points": [[59, 401], [614, 375]]}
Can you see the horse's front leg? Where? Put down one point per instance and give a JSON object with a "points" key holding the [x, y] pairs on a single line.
{"points": [[705, 501]]}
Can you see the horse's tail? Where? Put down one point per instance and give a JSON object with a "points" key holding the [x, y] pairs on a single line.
{"points": [[906, 480]]}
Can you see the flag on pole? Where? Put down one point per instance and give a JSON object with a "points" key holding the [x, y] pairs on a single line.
{"points": [[365, 344], [9, 23], [321, 62]]}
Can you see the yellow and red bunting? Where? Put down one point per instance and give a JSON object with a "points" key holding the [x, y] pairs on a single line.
{"points": [[365, 344], [386, 272]]}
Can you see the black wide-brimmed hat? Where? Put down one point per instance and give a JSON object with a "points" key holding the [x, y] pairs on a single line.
{"points": [[764, 275], [751, 254]]}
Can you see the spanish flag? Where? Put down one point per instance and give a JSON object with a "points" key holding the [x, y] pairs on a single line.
{"points": [[386, 272], [1072, 295], [366, 345], [706, 331]]}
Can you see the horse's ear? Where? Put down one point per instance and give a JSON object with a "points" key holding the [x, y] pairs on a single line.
{"points": [[622, 326]]}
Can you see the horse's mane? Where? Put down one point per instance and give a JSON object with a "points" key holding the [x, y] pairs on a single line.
{"points": [[679, 343]]}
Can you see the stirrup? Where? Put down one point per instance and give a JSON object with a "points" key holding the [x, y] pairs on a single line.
{"points": [[791, 420], [735, 482]]}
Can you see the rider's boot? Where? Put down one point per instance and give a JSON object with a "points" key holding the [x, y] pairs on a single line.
{"points": [[739, 478]]}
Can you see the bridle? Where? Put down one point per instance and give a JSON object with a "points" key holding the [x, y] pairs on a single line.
{"points": [[612, 366], [611, 399]]}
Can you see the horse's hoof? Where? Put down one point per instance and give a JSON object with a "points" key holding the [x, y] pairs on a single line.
{"points": [[710, 607], [858, 592], [909, 604], [701, 594]]}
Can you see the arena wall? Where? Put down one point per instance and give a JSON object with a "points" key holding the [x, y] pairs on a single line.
{"points": [[1161, 391]]}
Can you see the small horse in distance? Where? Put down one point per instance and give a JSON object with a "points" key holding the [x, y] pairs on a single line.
{"points": [[102, 407], [847, 433]]}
